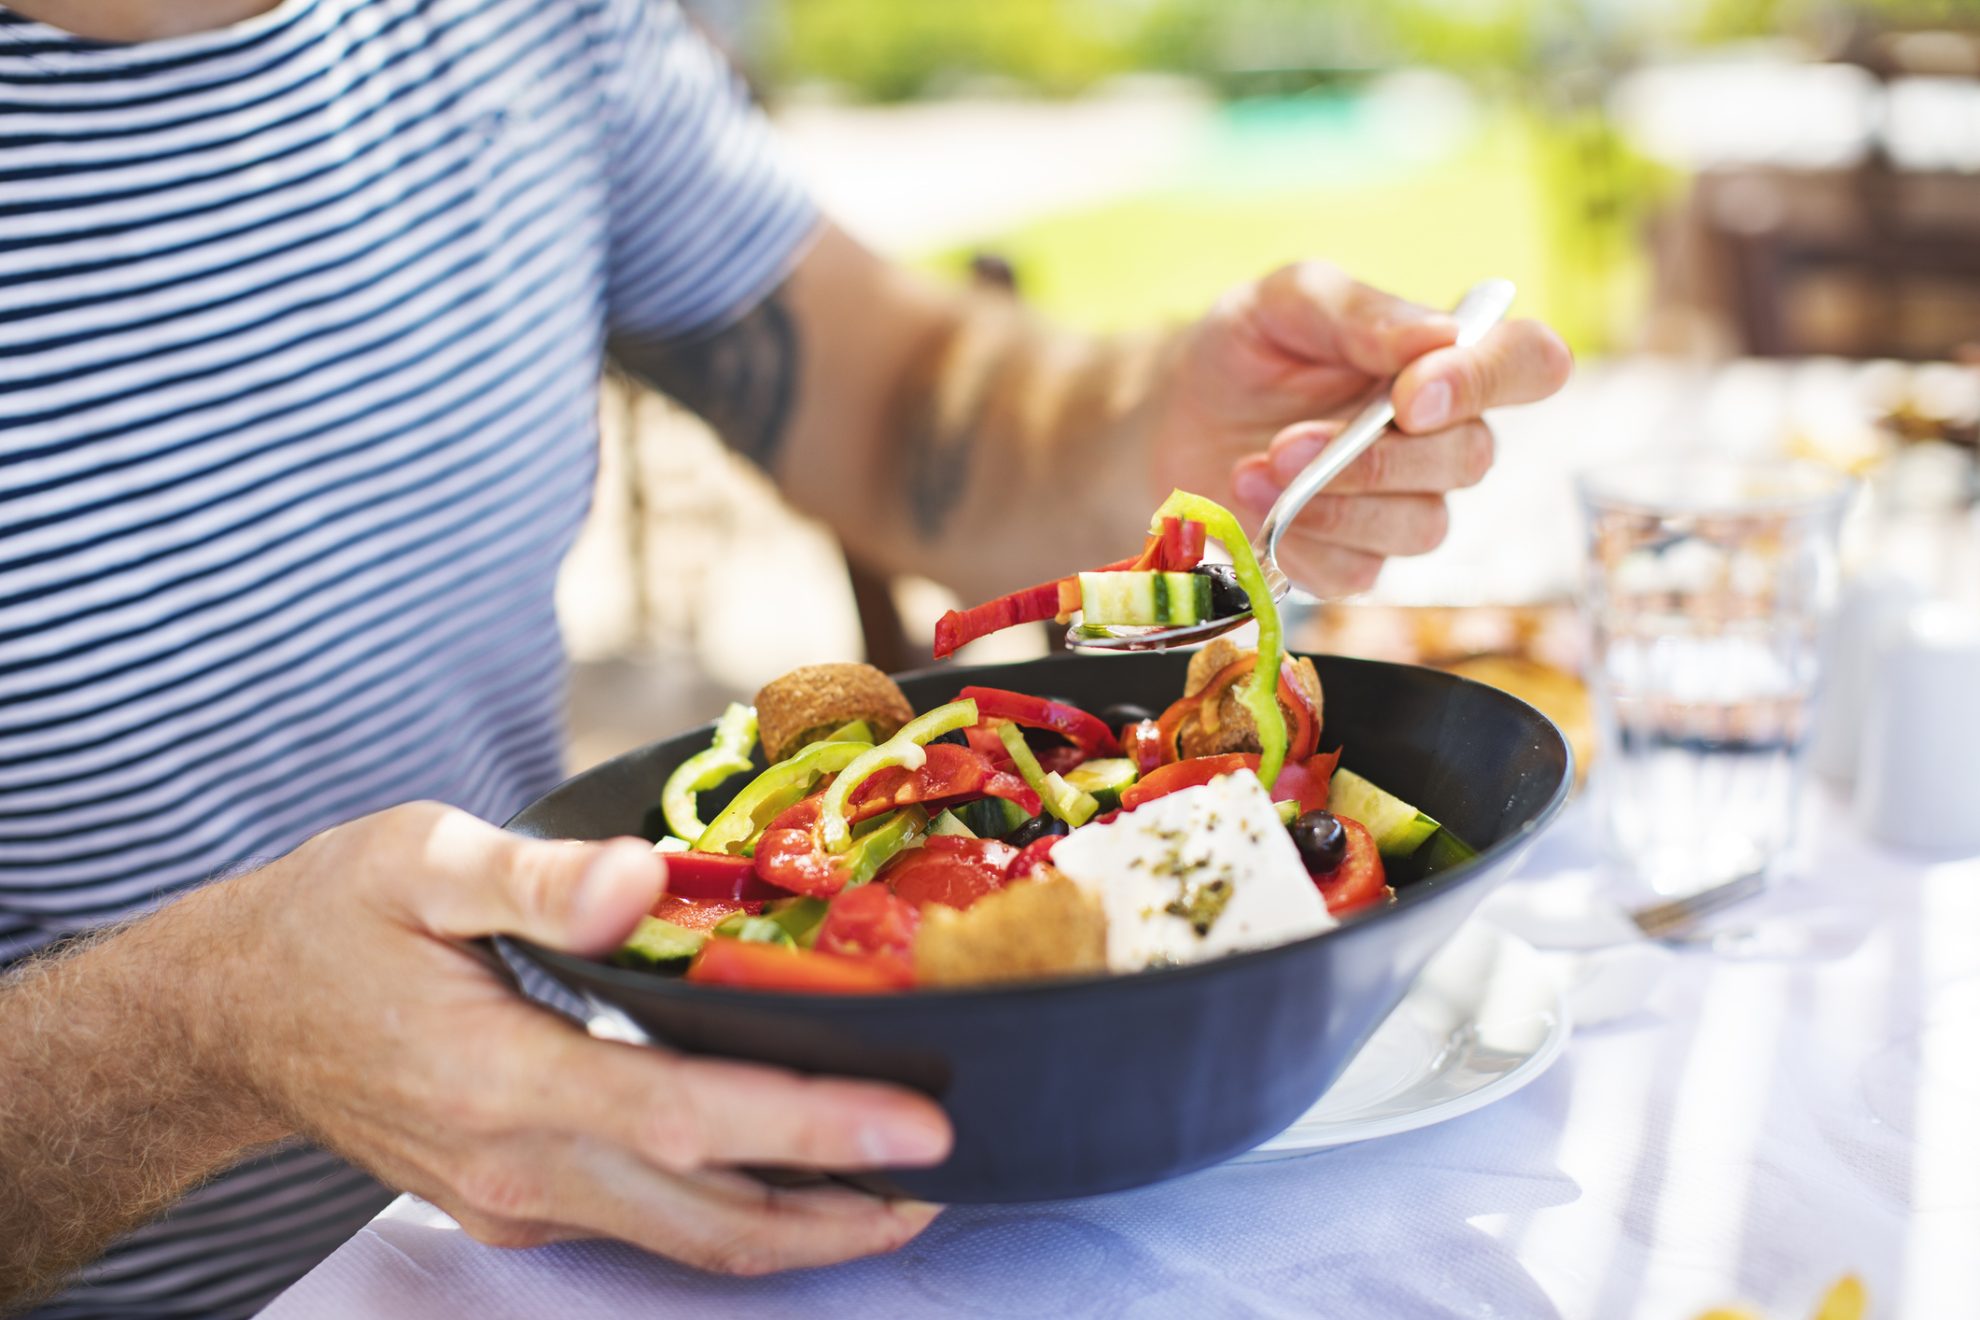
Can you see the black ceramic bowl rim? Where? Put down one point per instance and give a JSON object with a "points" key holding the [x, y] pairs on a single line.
{"points": [[1412, 894]]}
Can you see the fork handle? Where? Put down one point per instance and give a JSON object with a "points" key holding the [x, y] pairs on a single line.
{"points": [[1478, 311]]}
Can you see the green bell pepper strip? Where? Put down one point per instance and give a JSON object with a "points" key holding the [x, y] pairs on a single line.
{"points": [[772, 791], [755, 930], [903, 749], [856, 731], [1072, 805], [735, 734], [899, 831], [1260, 698], [793, 923]]}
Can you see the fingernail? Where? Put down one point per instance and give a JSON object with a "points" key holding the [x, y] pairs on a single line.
{"points": [[1431, 407], [918, 1211], [1254, 489], [896, 1143]]}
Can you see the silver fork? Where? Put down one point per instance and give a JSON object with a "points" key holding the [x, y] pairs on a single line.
{"points": [[1673, 920], [1483, 307]]}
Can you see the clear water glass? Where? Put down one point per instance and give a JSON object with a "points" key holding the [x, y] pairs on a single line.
{"points": [[1708, 582]]}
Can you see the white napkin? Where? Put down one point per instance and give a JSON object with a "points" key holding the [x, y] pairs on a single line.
{"points": [[1608, 971]]}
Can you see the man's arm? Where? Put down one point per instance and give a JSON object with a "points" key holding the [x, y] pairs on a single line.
{"points": [[111, 1103], [952, 433]]}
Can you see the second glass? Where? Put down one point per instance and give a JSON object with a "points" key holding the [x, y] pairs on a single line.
{"points": [[1707, 585]]}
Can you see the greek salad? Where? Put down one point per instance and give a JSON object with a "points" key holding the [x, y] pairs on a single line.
{"points": [[1010, 835]]}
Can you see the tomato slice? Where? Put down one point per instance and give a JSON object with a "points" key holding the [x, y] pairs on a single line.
{"points": [[1142, 742], [1305, 782], [870, 921], [1084, 731], [1360, 880], [753, 966], [700, 913], [1034, 855], [1058, 760], [948, 772], [1008, 786], [950, 869]]}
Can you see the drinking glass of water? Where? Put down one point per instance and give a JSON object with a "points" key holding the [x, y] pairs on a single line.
{"points": [[1707, 584]]}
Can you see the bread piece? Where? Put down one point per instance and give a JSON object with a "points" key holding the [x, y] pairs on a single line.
{"points": [[1041, 926], [1229, 727], [813, 700]]}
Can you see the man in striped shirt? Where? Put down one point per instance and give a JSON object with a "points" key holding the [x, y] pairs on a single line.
{"points": [[302, 308]]}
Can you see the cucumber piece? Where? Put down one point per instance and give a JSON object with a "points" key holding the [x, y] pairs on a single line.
{"points": [[947, 823], [1399, 828], [1288, 812], [1104, 779], [1444, 851], [991, 817], [659, 946], [1143, 598], [756, 930]]}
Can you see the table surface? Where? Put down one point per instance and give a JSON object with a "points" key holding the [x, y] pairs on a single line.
{"points": [[1767, 1120]]}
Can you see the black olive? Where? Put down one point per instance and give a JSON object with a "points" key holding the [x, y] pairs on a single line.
{"points": [[1123, 713], [1042, 826], [952, 736], [1322, 841], [1226, 596]]}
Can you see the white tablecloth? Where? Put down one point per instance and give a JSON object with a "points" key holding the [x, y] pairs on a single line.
{"points": [[1766, 1122]]}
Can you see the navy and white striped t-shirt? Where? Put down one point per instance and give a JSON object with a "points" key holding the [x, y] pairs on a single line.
{"points": [[300, 328]]}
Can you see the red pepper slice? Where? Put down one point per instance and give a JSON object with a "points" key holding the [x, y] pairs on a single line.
{"points": [[950, 869], [871, 921], [1176, 551], [1142, 741], [716, 877], [1305, 782], [754, 966], [1087, 732], [701, 913], [1360, 880]]}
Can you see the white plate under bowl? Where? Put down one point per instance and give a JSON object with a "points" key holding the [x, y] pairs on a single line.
{"points": [[1484, 1019]]}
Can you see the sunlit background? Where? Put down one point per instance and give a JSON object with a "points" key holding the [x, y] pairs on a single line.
{"points": [[1758, 224]]}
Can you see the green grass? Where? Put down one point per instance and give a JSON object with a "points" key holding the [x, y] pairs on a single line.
{"points": [[1269, 189]]}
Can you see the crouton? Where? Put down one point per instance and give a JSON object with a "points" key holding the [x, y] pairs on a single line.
{"points": [[1041, 926], [1228, 726], [813, 700]]}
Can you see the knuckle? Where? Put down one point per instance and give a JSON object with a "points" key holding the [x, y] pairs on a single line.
{"points": [[1378, 466], [499, 1192]]}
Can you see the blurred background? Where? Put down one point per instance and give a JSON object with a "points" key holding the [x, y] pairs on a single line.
{"points": [[1756, 221]]}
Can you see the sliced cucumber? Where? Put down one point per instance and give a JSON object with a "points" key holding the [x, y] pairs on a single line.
{"points": [[991, 817], [1288, 812], [1104, 779], [1444, 851], [660, 946], [1399, 828], [1113, 599], [948, 823]]}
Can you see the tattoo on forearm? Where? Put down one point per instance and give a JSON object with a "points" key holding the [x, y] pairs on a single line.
{"points": [[742, 379], [936, 471]]}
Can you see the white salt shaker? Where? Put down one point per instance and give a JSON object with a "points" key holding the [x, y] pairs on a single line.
{"points": [[1871, 606], [1918, 781]]}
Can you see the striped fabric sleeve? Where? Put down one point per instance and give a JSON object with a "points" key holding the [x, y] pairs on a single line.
{"points": [[707, 214]]}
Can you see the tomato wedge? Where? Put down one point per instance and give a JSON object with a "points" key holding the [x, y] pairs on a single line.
{"points": [[751, 966], [716, 877], [1086, 732], [1034, 855], [950, 869], [701, 913], [1142, 743], [1360, 880], [870, 921], [948, 772], [1305, 782]]}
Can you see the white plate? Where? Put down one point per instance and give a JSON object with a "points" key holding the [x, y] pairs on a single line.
{"points": [[1484, 1019]]}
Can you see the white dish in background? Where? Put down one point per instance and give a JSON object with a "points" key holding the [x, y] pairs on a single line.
{"points": [[1484, 1019]]}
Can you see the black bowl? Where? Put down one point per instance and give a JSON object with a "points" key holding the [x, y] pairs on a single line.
{"points": [[1074, 1087]]}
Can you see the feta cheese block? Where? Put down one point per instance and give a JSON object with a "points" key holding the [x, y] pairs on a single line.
{"points": [[1200, 873]]}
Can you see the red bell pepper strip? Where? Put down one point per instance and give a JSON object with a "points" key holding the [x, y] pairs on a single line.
{"points": [[716, 877], [951, 870], [1360, 880], [1090, 734], [752, 966], [871, 922], [1305, 782], [1175, 551]]}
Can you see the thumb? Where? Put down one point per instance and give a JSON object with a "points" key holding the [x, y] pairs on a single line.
{"points": [[579, 898]]}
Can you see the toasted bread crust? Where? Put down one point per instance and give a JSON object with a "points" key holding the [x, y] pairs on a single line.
{"points": [[1230, 727], [813, 700], [1041, 926]]}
